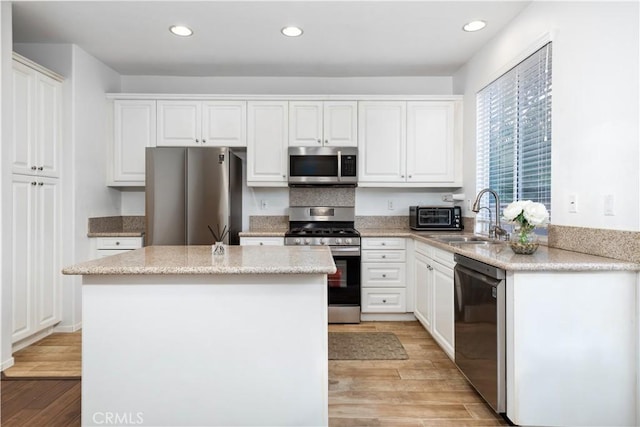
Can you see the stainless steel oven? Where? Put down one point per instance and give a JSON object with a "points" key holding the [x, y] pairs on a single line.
{"points": [[480, 332], [333, 227], [323, 166]]}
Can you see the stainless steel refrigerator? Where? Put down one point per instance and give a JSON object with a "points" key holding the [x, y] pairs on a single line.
{"points": [[189, 190]]}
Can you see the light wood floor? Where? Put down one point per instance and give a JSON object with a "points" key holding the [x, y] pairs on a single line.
{"points": [[425, 390], [58, 355]]}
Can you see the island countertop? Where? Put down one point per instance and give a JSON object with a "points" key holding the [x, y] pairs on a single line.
{"points": [[199, 260]]}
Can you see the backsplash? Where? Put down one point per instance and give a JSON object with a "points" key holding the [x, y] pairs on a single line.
{"points": [[271, 222], [109, 224], [624, 245], [320, 196], [386, 222]]}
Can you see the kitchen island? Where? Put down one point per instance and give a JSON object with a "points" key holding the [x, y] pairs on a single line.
{"points": [[174, 336]]}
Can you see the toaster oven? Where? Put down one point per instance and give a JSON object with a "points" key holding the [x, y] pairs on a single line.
{"points": [[435, 218]]}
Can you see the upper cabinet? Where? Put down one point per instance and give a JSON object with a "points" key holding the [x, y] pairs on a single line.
{"points": [[202, 123], [323, 123], [134, 130], [37, 122], [267, 143], [413, 144]]}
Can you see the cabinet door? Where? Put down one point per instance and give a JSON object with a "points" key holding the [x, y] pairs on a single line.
{"points": [[179, 123], [48, 125], [23, 224], [305, 124], [24, 135], [443, 314], [341, 123], [47, 242], [381, 142], [224, 123], [267, 143], [134, 130], [430, 142], [423, 278]]}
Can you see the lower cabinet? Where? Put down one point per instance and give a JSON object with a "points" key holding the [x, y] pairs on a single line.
{"points": [[383, 278], [433, 278], [107, 246], [261, 241], [36, 257]]}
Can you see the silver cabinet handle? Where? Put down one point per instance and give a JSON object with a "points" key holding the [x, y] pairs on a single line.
{"points": [[41, 184], [117, 243], [33, 168], [34, 183], [284, 176], [384, 256], [384, 276], [261, 243], [326, 141], [40, 168], [197, 140], [410, 176], [204, 140], [383, 244], [319, 141], [384, 301], [401, 176]]}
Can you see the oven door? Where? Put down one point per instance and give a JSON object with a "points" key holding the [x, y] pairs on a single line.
{"points": [[344, 286], [308, 169]]}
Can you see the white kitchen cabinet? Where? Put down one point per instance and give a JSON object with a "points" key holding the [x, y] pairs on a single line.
{"points": [[423, 282], [383, 275], [323, 123], [410, 144], [134, 131], [261, 241], [267, 143], [37, 119], [443, 310], [107, 246], [36, 257], [192, 123], [381, 142], [432, 148]]}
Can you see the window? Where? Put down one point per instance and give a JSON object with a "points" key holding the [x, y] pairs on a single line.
{"points": [[514, 134]]}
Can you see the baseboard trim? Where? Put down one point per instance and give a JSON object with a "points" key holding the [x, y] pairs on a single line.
{"points": [[387, 317], [25, 342], [7, 364], [68, 328]]}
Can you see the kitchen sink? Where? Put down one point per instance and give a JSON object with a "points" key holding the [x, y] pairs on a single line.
{"points": [[467, 240]]}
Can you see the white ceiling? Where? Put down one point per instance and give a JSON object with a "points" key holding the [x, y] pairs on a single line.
{"points": [[242, 38]]}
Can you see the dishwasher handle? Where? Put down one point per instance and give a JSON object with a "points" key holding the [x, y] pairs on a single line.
{"points": [[478, 276]]}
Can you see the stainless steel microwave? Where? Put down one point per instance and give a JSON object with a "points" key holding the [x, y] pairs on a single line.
{"points": [[435, 218], [323, 166]]}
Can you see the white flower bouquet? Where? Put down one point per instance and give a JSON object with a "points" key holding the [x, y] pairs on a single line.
{"points": [[527, 215]]}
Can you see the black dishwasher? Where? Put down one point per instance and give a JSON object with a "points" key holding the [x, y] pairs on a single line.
{"points": [[480, 317]]}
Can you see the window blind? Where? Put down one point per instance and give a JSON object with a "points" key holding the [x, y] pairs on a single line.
{"points": [[513, 153]]}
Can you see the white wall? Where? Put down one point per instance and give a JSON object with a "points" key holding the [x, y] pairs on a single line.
{"points": [[595, 110], [6, 132], [289, 85]]}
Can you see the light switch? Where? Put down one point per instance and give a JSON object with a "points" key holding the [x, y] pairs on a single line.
{"points": [[573, 203], [609, 205]]}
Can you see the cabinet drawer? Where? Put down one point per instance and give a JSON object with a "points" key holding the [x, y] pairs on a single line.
{"points": [[424, 249], [118, 242], [383, 243], [383, 256], [380, 300], [443, 257], [384, 275], [262, 241]]}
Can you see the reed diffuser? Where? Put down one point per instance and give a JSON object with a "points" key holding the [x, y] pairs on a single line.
{"points": [[218, 238]]}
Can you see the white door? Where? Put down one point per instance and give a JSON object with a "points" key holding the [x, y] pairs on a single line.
{"points": [[430, 142], [341, 123], [47, 242], [423, 278], [443, 314], [134, 130], [48, 125], [267, 143], [23, 255], [305, 124], [24, 135], [224, 123], [179, 123], [381, 141]]}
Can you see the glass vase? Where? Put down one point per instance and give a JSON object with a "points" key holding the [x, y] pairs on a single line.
{"points": [[524, 241], [218, 249]]}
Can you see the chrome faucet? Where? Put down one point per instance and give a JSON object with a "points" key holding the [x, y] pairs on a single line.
{"points": [[496, 231]]}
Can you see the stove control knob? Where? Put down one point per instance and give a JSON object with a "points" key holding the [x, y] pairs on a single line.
{"points": [[347, 241], [307, 241], [338, 241], [297, 241], [323, 241]]}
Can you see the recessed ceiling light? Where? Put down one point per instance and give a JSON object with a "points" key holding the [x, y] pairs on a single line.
{"points": [[291, 31], [474, 26], [181, 30]]}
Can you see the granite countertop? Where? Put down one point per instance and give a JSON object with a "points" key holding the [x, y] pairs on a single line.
{"points": [[116, 226], [199, 260], [117, 234], [263, 233]]}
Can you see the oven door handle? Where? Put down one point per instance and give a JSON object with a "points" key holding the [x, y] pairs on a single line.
{"points": [[345, 251]]}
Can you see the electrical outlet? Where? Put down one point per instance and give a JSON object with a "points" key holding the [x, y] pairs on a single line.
{"points": [[573, 203], [264, 204], [390, 205], [609, 205]]}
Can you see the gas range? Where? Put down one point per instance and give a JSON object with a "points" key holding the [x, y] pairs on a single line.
{"points": [[318, 226]]}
